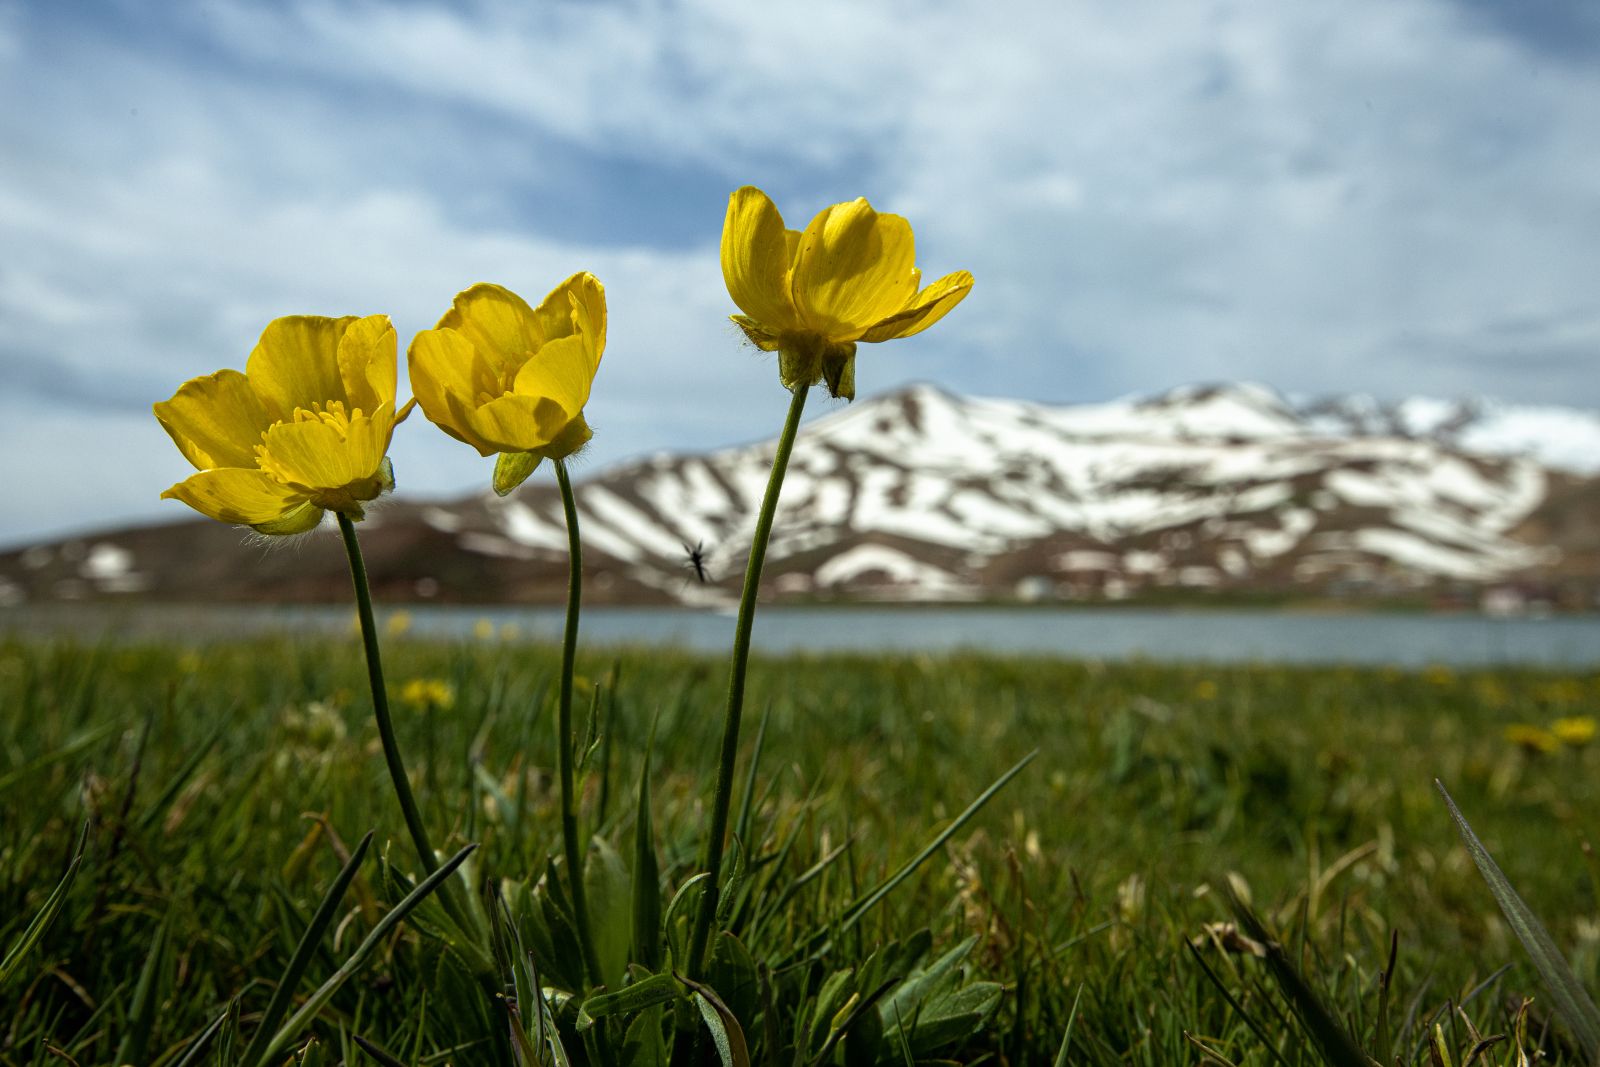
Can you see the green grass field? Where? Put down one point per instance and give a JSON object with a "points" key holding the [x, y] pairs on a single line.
{"points": [[223, 785]]}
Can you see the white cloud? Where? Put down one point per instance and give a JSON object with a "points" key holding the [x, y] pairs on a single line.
{"points": [[720, 82], [1198, 189], [1382, 197]]}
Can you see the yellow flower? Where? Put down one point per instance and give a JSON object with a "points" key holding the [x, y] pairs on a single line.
{"points": [[1534, 740], [1576, 731], [399, 623], [305, 428], [1439, 675], [428, 693], [510, 379], [851, 276]]}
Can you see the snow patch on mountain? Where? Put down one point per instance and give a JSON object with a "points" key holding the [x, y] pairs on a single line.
{"points": [[920, 494], [1230, 481]]}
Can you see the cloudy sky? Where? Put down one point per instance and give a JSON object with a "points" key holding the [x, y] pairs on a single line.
{"points": [[1388, 196]]}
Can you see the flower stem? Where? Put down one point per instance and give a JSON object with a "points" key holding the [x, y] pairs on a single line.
{"points": [[380, 712], [564, 739], [741, 654]]}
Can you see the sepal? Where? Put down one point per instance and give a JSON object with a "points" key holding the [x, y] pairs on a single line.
{"points": [[511, 469], [839, 370], [303, 518]]}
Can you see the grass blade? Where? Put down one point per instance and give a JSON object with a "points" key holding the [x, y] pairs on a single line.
{"points": [[865, 903], [854, 913], [646, 879], [141, 1012], [197, 1047], [1233, 1002], [725, 1031], [1571, 1000], [1338, 1048], [176, 783], [384, 1057], [255, 1052], [308, 1011], [71, 748], [741, 825], [47, 913], [1066, 1038]]}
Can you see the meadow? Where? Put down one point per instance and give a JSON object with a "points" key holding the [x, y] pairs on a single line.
{"points": [[1079, 915]]}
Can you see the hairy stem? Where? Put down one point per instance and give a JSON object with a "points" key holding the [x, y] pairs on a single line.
{"points": [[380, 712], [741, 654], [564, 738]]}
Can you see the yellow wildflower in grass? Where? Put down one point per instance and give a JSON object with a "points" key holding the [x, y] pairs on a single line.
{"points": [[1562, 691], [810, 296], [1576, 730], [1534, 740], [483, 630], [1491, 691], [399, 624], [510, 379], [304, 429], [427, 694]]}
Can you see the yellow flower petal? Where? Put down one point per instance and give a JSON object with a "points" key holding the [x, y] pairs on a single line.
{"points": [[554, 315], [366, 357], [561, 371], [504, 377], [927, 308], [854, 268], [237, 495], [586, 316], [851, 277], [756, 260], [442, 363], [296, 364], [215, 420], [499, 324], [515, 423], [320, 456]]}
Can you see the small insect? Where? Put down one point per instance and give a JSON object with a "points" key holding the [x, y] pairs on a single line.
{"points": [[697, 560]]}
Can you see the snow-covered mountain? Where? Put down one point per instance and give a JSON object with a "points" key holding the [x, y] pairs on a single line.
{"points": [[920, 494], [1564, 439]]}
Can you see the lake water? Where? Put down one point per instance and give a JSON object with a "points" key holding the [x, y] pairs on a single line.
{"points": [[1082, 633]]}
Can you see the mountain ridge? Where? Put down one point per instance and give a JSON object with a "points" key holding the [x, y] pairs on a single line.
{"points": [[921, 494]]}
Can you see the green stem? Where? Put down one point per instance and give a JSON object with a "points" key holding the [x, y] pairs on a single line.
{"points": [[741, 654], [380, 712], [564, 740]]}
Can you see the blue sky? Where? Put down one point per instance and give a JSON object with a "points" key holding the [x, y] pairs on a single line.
{"points": [[1388, 196]]}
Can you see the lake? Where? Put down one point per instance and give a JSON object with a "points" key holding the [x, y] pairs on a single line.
{"points": [[1081, 633]]}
